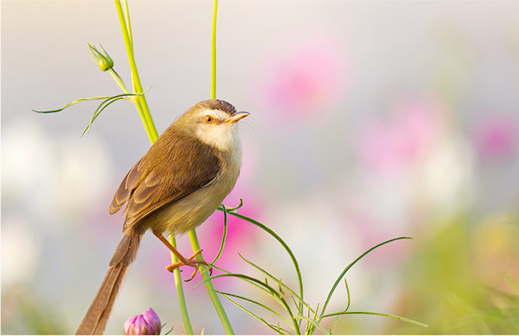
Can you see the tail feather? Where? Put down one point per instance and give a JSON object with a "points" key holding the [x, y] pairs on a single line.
{"points": [[94, 322]]}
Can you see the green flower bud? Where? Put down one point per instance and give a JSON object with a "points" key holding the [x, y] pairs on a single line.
{"points": [[104, 61]]}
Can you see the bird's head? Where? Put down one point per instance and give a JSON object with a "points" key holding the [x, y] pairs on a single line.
{"points": [[214, 122]]}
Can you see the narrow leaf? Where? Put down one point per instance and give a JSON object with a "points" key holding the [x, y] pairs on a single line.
{"points": [[282, 242], [273, 327], [314, 323], [221, 206], [405, 319], [280, 283], [256, 303], [332, 290], [73, 102], [98, 111], [224, 235]]}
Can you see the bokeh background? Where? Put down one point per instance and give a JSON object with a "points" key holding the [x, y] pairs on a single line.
{"points": [[369, 121]]}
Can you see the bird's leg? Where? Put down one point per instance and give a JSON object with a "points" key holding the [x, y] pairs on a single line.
{"points": [[191, 261]]}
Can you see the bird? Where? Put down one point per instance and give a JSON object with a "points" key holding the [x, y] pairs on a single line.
{"points": [[180, 181]]}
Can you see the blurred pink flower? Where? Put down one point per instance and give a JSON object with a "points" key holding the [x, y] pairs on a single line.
{"points": [[304, 80], [496, 136], [399, 141], [240, 233]]}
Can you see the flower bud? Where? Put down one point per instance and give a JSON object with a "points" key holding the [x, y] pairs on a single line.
{"points": [[147, 323], [104, 61]]}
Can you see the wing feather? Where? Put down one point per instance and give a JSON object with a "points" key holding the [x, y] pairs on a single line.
{"points": [[125, 188], [174, 167]]}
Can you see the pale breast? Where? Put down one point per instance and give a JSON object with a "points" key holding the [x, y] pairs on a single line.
{"points": [[193, 210]]}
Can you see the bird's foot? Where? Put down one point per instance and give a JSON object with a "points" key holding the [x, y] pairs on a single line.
{"points": [[191, 261]]}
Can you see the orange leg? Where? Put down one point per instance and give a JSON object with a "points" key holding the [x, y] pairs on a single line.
{"points": [[191, 261]]}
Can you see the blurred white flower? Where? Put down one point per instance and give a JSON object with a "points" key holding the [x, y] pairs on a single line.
{"points": [[51, 179], [27, 161], [83, 168], [322, 240], [20, 252], [447, 177]]}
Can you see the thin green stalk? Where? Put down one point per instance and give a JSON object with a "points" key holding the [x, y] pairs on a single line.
{"points": [[128, 23], [141, 103], [210, 287], [118, 80], [149, 126], [213, 52], [180, 290], [144, 112], [192, 234]]}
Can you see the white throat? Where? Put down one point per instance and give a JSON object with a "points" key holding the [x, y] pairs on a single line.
{"points": [[223, 136]]}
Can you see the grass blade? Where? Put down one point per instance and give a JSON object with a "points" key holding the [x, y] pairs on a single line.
{"points": [[313, 322], [100, 109], [72, 103], [294, 295], [259, 318], [405, 319], [343, 273], [224, 235], [270, 290], [282, 242], [256, 303]]}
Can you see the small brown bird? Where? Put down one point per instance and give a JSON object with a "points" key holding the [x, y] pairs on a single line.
{"points": [[173, 188]]}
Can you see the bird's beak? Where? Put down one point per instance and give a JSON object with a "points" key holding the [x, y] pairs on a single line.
{"points": [[237, 116]]}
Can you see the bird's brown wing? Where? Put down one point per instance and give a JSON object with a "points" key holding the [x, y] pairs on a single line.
{"points": [[174, 167], [125, 188]]}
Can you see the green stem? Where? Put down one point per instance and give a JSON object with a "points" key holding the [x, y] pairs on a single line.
{"points": [[149, 125], [144, 113], [210, 287], [213, 52], [180, 290], [118, 80], [192, 234], [140, 101]]}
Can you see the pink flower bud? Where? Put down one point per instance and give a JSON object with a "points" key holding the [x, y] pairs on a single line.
{"points": [[147, 323]]}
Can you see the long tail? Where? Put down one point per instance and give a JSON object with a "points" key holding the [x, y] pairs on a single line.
{"points": [[94, 322]]}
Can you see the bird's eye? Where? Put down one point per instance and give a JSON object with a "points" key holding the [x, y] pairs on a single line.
{"points": [[209, 119]]}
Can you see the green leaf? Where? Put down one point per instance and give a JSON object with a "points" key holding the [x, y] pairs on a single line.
{"points": [[221, 206], [343, 273], [98, 111], [107, 101], [273, 327], [269, 289], [256, 303], [405, 319], [282, 242], [169, 331], [314, 323], [224, 235], [74, 102], [280, 283]]}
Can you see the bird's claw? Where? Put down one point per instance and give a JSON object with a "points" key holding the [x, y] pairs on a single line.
{"points": [[191, 261]]}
